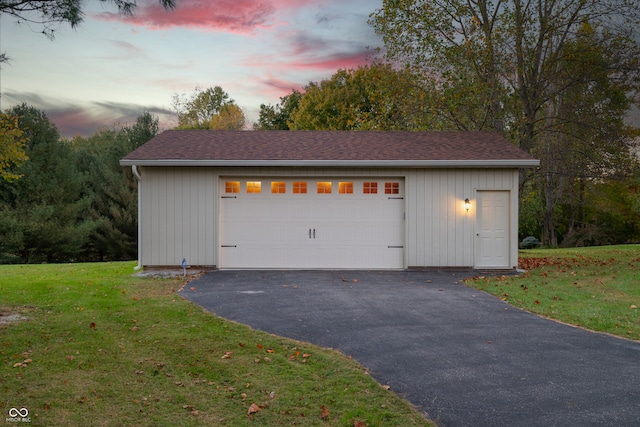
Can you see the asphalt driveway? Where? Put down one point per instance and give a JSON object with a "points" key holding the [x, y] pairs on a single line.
{"points": [[460, 355]]}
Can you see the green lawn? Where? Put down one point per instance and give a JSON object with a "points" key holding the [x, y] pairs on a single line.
{"points": [[596, 288], [99, 347]]}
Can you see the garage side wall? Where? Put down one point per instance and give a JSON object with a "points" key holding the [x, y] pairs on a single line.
{"points": [[178, 210], [440, 232]]}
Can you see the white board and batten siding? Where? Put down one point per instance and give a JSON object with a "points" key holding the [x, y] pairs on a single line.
{"points": [[441, 233], [178, 216], [183, 214]]}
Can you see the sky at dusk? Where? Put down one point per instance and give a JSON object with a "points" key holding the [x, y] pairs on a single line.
{"points": [[112, 68]]}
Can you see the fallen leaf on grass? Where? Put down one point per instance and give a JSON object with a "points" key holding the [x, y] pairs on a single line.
{"points": [[253, 409], [227, 355], [325, 412], [23, 364], [189, 407], [92, 325], [359, 424]]}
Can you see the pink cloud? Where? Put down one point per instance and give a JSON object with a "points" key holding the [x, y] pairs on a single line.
{"points": [[328, 63], [77, 118], [332, 62], [235, 16], [273, 87], [306, 51]]}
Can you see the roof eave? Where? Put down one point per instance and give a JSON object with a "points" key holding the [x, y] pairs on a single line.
{"points": [[527, 163]]}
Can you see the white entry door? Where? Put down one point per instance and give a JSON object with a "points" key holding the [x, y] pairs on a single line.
{"points": [[304, 223], [493, 221]]}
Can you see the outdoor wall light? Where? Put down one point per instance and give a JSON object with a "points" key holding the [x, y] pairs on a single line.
{"points": [[467, 204]]}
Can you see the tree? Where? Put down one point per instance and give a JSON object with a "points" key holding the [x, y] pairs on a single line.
{"points": [[506, 63], [47, 13], [375, 97], [44, 213], [230, 117], [11, 146], [584, 138], [112, 189], [277, 117], [206, 107]]}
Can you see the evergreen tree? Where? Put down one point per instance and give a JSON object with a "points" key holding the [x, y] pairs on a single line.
{"points": [[44, 213]]}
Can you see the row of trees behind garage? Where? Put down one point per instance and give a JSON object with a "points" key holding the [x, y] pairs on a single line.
{"points": [[70, 200], [558, 78]]}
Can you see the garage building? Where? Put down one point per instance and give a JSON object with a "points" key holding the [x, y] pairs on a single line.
{"points": [[328, 199]]}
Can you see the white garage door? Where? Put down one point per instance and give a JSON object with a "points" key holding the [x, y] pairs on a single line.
{"points": [[312, 223]]}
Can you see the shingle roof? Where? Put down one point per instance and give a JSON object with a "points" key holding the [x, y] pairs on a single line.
{"points": [[370, 148]]}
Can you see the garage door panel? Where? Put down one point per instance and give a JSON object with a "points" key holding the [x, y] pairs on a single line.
{"points": [[312, 230]]}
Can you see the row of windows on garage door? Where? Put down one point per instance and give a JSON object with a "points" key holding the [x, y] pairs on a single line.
{"points": [[304, 187]]}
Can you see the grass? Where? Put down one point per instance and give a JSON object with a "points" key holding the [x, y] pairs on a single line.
{"points": [[597, 288], [99, 347]]}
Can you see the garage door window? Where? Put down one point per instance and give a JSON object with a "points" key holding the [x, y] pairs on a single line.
{"points": [[370, 188], [391, 188], [299, 187], [254, 186], [345, 187], [278, 187], [324, 187], [232, 187]]}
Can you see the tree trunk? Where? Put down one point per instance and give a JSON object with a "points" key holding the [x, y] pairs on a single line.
{"points": [[549, 235]]}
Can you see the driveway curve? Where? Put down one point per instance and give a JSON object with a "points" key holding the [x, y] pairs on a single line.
{"points": [[460, 355]]}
